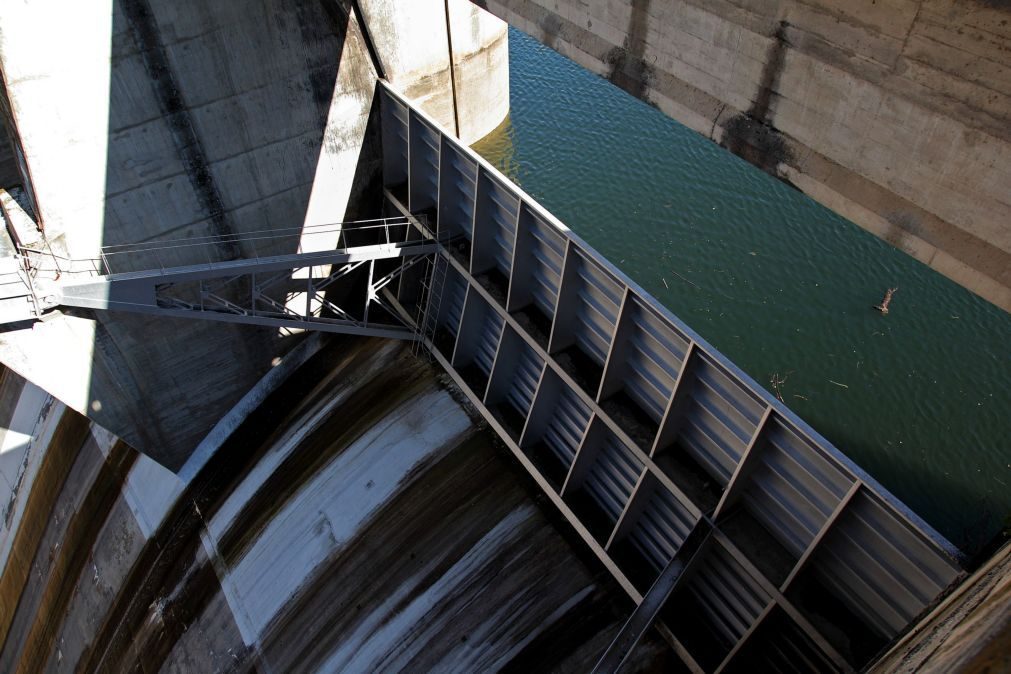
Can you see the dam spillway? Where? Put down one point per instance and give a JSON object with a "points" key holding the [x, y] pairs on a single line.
{"points": [[402, 541], [739, 530], [644, 455]]}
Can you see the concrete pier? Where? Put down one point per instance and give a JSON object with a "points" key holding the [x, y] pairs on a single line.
{"points": [[157, 120], [449, 58]]}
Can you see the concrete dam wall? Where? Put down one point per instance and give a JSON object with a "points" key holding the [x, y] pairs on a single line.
{"points": [[895, 114]]}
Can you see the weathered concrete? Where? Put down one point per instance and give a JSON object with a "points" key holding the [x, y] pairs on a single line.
{"points": [[896, 114], [413, 40], [180, 119], [970, 631], [159, 119], [401, 541]]}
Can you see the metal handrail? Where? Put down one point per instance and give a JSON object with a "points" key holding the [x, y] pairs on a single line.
{"points": [[120, 254], [323, 228]]}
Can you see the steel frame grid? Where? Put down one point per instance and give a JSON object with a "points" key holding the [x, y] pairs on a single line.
{"points": [[704, 377]]}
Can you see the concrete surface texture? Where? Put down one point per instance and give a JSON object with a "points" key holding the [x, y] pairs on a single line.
{"points": [[158, 120], [894, 113], [401, 541], [970, 631], [469, 92]]}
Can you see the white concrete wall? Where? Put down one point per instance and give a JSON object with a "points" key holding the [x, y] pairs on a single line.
{"points": [[412, 43], [192, 119], [481, 68], [60, 107]]}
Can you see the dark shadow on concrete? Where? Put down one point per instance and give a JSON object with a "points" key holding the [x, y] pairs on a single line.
{"points": [[366, 200], [217, 122], [9, 175], [12, 166]]}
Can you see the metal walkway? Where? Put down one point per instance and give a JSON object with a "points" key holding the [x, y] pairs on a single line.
{"points": [[353, 282], [738, 531]]}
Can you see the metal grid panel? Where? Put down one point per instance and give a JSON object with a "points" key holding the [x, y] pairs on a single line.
{"points": [[567, 426], [424, 171], [780, 646], [794, 488], [455, 296], [794, 483], [662, 526], [544, 264], [599, 299], [875, 564], [496, 221], [524, 383], [719, 421], [730, 598], [394, 116], [490, 333], [457, 192], [653, 357], [612, 476]]}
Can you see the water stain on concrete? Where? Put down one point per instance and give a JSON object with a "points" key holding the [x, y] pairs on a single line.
{"points": [[752, 135], [42, 499], [345, 424], [551, 24], [68, 560], [629, 69]]}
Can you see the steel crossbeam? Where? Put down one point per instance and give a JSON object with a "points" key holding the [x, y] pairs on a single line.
{"points": [[318, 290]]}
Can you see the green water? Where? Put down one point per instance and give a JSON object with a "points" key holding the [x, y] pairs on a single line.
{"points": [[919, 398]]}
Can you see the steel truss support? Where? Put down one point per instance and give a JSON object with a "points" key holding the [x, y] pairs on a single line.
{"points": [[319, 291]]}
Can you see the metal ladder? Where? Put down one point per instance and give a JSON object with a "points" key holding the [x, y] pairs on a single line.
{"points": [[427, 321], [18, 298]]}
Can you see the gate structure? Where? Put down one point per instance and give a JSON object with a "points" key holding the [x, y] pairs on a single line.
{"points": [[737, 530]]}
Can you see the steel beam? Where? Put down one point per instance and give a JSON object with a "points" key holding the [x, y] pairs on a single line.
{"points": [[649, 608]]}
